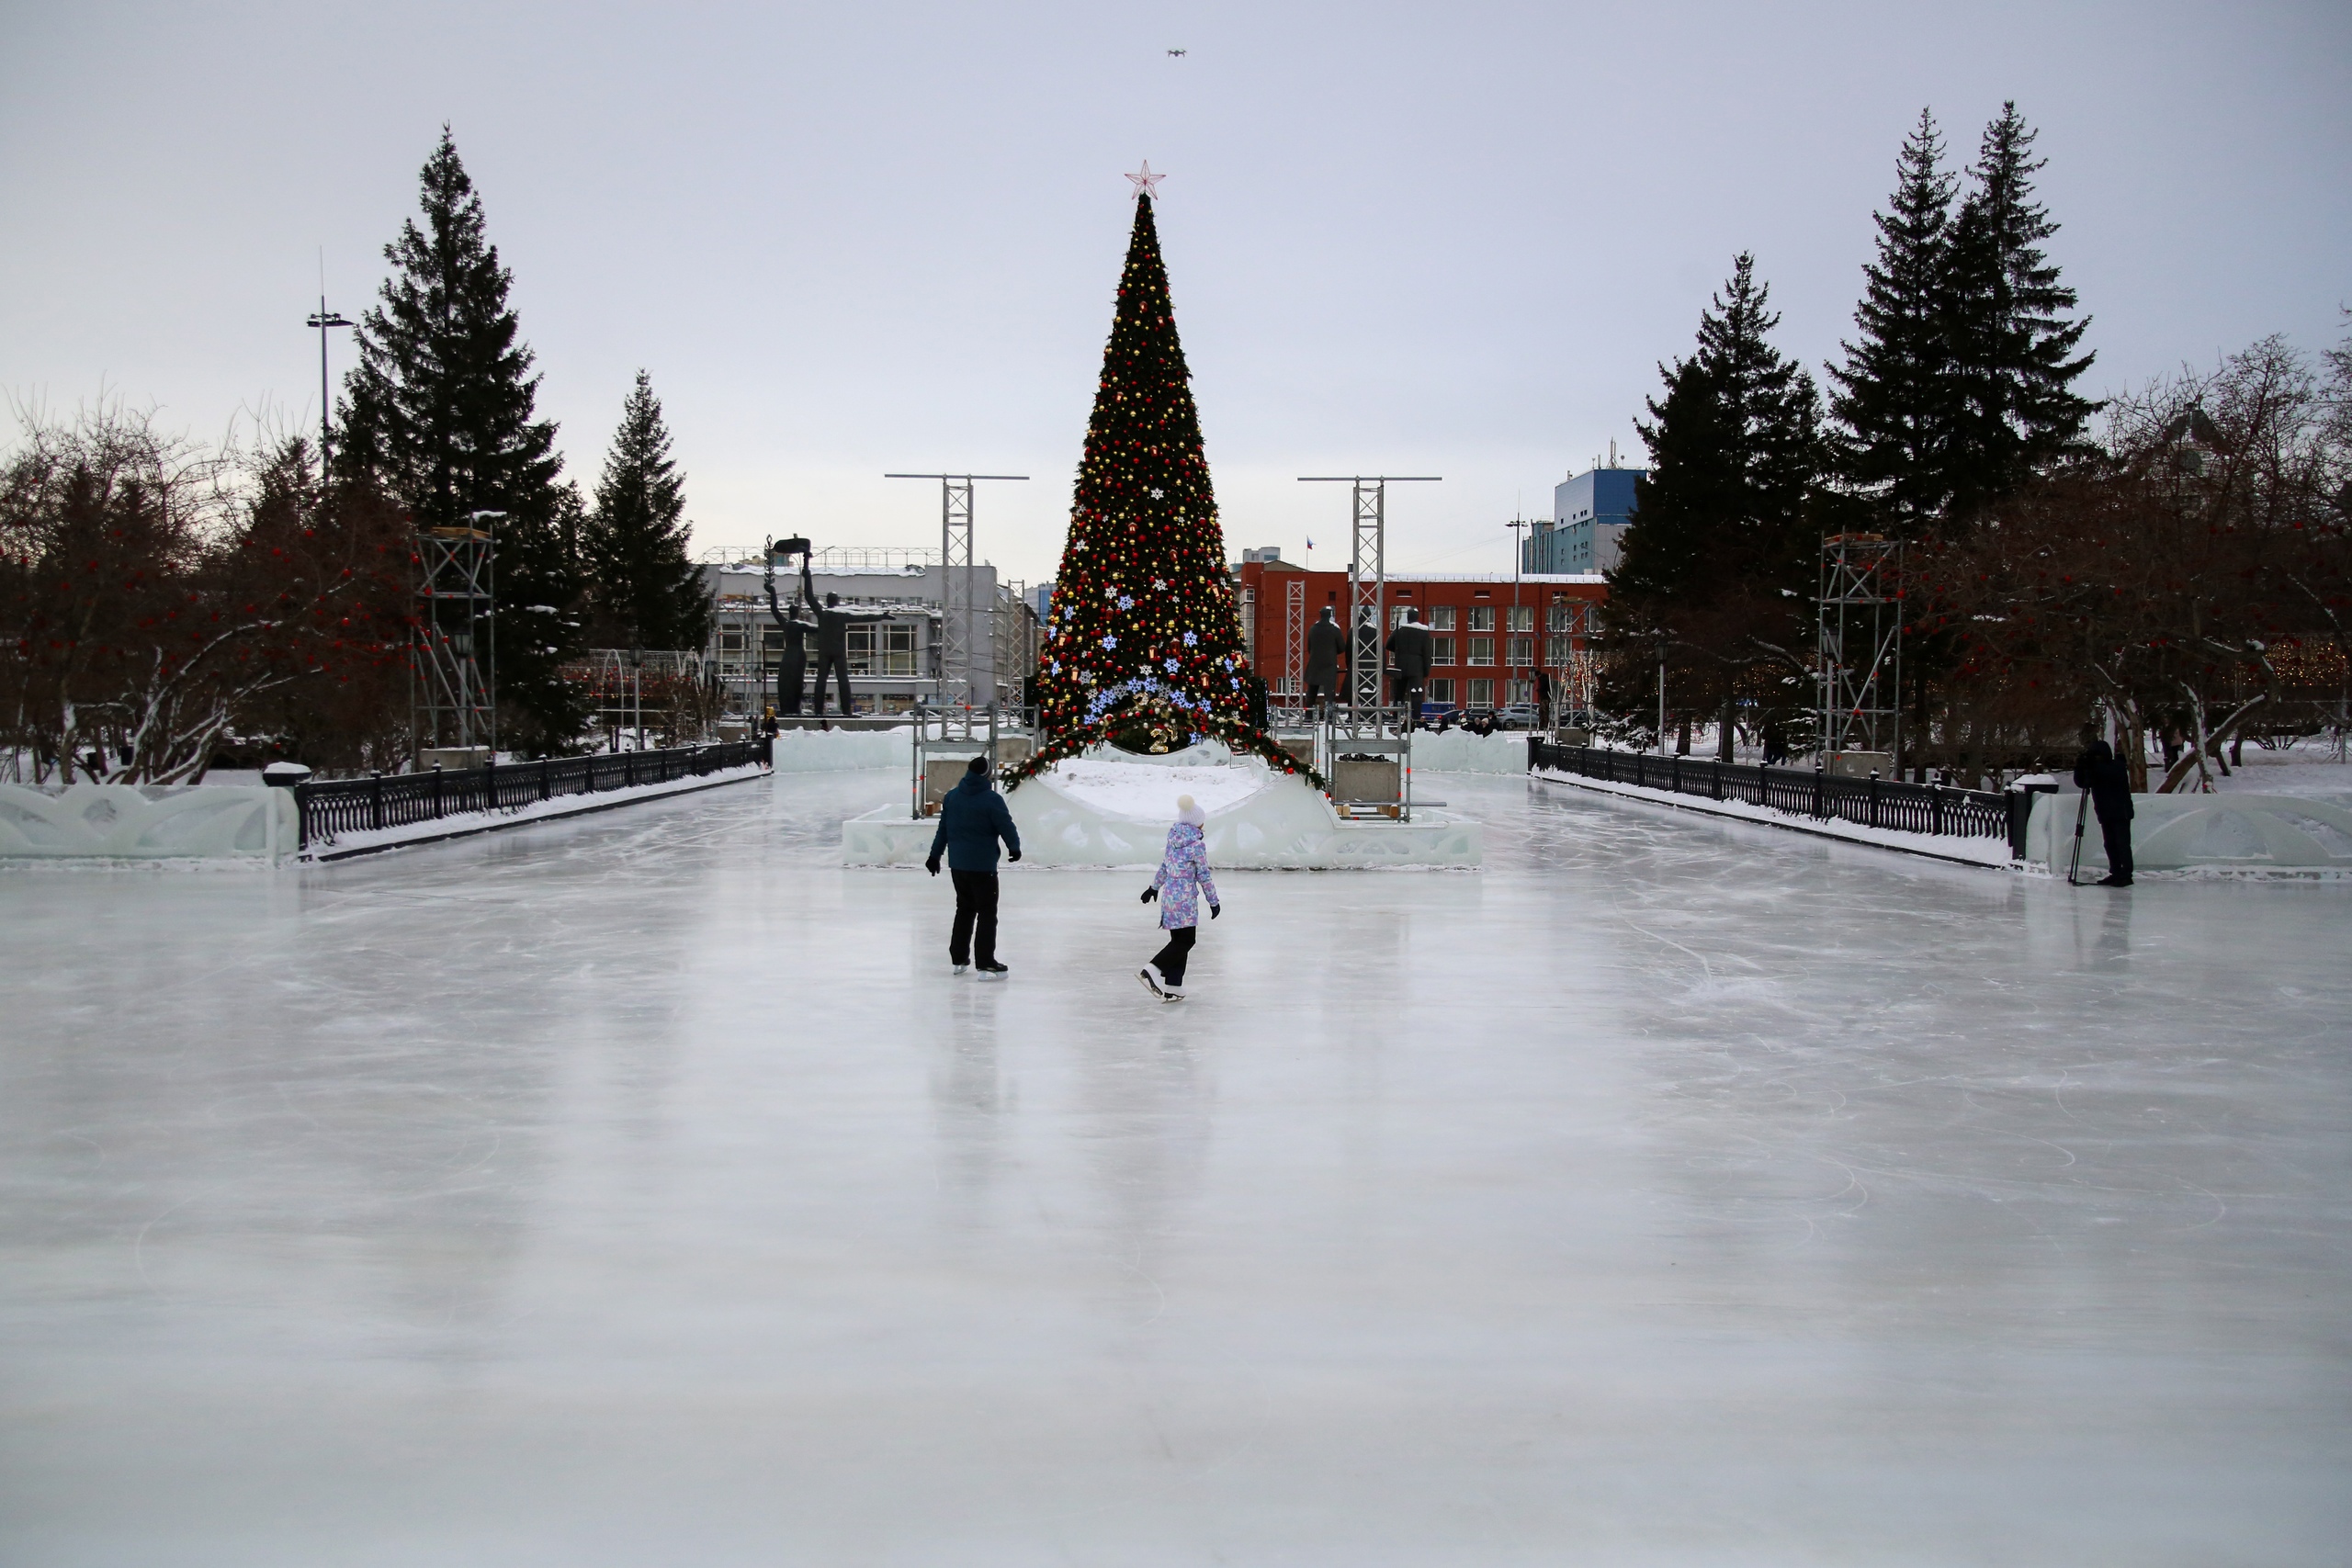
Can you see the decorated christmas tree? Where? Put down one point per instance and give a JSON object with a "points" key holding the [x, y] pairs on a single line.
{"points": [[1144, 647]]}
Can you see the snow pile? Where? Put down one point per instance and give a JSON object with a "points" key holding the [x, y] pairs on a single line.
{"points": [[1149, 794], [840, 751]]}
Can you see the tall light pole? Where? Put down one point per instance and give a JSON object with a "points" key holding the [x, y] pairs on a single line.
{"points": [[323, 321], [1516, 561]]}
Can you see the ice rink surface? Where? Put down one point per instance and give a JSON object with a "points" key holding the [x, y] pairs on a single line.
{"points": [[642, 1190]]}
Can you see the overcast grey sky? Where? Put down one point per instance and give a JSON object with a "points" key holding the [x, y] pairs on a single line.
{"points": [[847, 238]]}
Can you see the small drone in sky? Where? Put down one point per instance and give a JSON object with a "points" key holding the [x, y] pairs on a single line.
{"points": [[1176, 54]]}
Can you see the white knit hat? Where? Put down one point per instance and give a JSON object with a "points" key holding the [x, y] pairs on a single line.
{"points": [[1189, 810]]}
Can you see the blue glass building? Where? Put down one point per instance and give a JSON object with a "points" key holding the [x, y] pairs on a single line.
{"points": [[1590, 511]]}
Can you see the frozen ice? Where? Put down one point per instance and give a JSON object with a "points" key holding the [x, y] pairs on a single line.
{"points": [[642, 1188]]}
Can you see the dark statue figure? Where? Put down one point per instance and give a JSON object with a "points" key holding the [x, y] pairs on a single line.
{"points": [[792, 669], [829, 620]]}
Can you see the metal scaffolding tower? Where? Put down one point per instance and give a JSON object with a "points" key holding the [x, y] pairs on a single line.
{"points": [[452, 702], [1568, 656], [1367, 584], [959, 607], [1860, 656], [1293, 676]]}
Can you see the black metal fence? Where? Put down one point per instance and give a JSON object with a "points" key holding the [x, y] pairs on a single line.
{"points": [[353, 805], [1938, 809]]}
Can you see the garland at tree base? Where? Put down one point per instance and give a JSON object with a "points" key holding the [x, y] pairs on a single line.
{"points": [[1170, 727]]}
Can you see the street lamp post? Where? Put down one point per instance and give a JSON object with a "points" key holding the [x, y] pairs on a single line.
{"points": [[1518, 559], [323, 320]]}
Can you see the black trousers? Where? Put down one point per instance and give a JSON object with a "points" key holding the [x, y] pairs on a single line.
{"points": [[975, 904], [1170, 960], [835, 662], [790, 680], [2117, 836]]}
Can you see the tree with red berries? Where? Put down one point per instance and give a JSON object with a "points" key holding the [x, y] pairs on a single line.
{"points": [[1144, 646]]}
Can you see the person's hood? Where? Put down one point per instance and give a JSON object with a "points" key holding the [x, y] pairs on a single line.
{"points": [[2097, 752], [977, 783]]}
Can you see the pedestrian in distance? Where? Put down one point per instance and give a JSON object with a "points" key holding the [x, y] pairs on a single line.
{"points": [[972, 817], [1180, 882], [2101, 774]]}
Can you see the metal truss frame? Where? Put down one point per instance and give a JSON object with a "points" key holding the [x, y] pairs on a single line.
{"points": [[1859, 658], [452, 701], [958, 590], [1368, 589]]}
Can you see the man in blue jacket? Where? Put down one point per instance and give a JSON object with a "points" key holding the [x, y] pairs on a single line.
{"points": [[972, 817]]}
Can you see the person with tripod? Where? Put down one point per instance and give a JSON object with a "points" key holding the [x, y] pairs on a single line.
{"points": [[2102, 775]]}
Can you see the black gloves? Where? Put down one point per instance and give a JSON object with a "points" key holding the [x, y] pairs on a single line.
{"points": [[931, 865], [1149, 893], [1013, 854], [1214, 910]]}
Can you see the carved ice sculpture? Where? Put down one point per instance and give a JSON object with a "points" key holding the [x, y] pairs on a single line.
{"points": [[200, 821]]}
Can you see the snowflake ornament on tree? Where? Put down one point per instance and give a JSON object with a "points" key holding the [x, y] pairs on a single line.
{"points": [[1145, 650]]}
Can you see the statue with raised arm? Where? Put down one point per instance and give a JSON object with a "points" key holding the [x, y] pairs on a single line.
{"points": [[832, 637], [792, 669]]}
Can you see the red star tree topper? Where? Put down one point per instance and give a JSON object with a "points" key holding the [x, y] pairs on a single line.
{"points": [[1144, 645]]}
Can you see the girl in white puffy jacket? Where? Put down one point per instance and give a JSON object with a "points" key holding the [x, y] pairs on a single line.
{"points": [[1182, 881]]}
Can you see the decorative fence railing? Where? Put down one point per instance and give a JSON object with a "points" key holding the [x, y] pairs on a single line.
{"points": [[355, 806], [1937, 809]]}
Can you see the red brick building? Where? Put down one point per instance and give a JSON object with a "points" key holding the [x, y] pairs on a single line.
{"points": [[1491, 634]]}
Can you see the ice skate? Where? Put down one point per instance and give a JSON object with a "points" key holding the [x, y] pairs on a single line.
{"points": [[963, 968], [1170, 993], [992, 969], [1150, 982]]}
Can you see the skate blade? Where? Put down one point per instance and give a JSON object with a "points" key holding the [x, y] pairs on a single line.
{"points": [[1151, 984]]}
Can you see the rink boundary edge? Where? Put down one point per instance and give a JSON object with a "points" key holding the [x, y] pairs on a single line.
{"points": [[1706, 808], [500, 825]]}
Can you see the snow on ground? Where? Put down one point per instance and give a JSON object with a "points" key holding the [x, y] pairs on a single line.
{"points": [[640, 1188]]}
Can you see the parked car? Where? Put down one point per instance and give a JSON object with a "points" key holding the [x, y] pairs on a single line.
{"points": [[1518, 715]]}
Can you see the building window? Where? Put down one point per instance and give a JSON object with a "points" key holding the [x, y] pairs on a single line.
{"points": [[1562, 615], [897, 650], [1520, 691], [1396, 614], [1482, 619], [1482, 648], [1441, 650], [730, 641], [773, 641], [1559, 650], [1442, 618], [1482, 694], [1440, 691], [1523, 617], [861, 648], [1521, 651]]}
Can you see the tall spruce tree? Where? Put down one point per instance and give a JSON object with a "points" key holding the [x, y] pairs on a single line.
{"points": [[1144, 642], [2013, 346], [439, 413], [1896, 405], [643, 590], [1716, 568]]}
